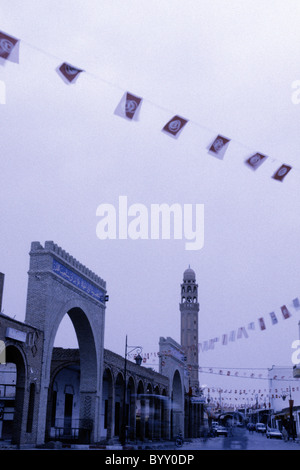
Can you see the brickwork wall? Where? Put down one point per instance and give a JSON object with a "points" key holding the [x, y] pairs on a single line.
{"points": [[59, 284]]}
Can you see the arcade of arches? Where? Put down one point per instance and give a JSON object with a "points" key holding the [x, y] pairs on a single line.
{"points": [[81, 395]]}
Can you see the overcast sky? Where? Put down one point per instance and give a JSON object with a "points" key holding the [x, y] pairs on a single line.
{"points": [[228, 68]]}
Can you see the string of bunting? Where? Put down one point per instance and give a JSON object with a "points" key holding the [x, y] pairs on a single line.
{"points": [[247, 397], [242, 332], [230, 372], [271, 392], [224, 339], [130, 104]]}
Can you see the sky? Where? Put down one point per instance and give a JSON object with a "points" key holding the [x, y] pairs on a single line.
{"points": [[228, 68]]}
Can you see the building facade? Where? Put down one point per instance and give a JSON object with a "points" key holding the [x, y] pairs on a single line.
{"points": [[89, 395], [284, 399], [189, 309]]}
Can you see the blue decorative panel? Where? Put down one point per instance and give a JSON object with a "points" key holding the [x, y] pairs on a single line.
{"points": [[78, 281]]}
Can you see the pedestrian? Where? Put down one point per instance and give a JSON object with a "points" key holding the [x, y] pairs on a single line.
{"points": [[285, 434]]}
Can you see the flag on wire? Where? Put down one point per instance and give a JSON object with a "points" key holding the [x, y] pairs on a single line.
{"points": [[128, 106], [251, 326], [7, 47], [219, 146], [224, 339], [256, 160], [273, 318], [175, 126], [242, 331], [296, 303], [262, 323], [286, 314], [69, 72], [203, 346], [232, 336], [280, 174]]}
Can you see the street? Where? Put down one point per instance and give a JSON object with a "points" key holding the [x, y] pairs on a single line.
{"points": [[255, 441]]}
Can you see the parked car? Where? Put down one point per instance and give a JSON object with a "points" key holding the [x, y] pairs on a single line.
{"points": [[260, 427], [274, 433], [221, 431]]}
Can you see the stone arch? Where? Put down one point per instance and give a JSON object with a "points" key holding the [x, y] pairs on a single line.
{"points": [[107, 411], [63, 412], [149, 401], [177, 410], [85, 422], [164, 417], [140, 411], [157, 412], [131, 407], [15, 355], [58, 285]]}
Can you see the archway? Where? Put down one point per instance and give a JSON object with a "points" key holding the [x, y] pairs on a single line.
{"points": [[140, 412], [119, 403], [130, 408], [107, 405], [8, 380], [77, 384], [177, 411], [149, 412], [15, 356], [63, 418], [59, 284]]}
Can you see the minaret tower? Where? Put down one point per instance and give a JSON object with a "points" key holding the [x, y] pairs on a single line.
{"points": [[189, 308]]}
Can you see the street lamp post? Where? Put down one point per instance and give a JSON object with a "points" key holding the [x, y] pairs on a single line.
{"points": [[291, 403], [138, 361]]}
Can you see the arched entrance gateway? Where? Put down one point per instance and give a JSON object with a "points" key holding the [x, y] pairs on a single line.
{"points": [[81, 395], [59, 284], [177, 417]]}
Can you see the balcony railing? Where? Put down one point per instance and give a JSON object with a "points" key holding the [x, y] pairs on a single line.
{"points": [[70, 430]]}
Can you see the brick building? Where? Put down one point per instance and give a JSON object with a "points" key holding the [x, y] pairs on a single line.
{"points": [[86, 395]]}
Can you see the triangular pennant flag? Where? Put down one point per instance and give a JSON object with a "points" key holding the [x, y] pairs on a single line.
{"points": [[7, 47], [219, 146], [69, 72], [273, 318], [286, 314], [280, 174], [251, 326], [262, 324], [128, 106], [175, 126], [256, 160]]}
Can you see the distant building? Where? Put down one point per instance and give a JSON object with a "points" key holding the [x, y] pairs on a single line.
{"points": [[284, 394]]}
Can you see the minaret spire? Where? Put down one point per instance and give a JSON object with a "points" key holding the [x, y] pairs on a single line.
{"points": [[189, 308]]}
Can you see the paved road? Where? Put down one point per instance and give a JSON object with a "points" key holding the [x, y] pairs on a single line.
{"points": [[255, 441]]}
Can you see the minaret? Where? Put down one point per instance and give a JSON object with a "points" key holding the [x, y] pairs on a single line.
{"points": [[189, 308]]}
